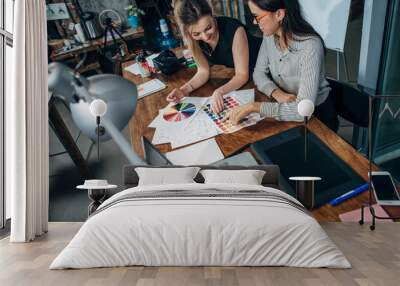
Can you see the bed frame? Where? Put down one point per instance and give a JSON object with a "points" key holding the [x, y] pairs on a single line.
{"points": [[131, 178]]}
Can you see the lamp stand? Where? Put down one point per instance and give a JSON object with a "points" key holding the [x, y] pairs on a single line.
{"points": [[100, 130], [305, 138]]}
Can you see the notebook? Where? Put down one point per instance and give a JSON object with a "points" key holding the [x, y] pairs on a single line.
{"points": [[150, 87]]}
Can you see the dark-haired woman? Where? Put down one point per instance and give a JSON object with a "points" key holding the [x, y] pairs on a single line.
{"points": [[214, 40], [290, 65]]}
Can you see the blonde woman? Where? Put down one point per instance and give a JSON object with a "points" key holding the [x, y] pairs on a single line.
{"points": [[214, 40]]}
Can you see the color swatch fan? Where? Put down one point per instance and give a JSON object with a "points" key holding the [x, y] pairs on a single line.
{"points": [[179, 112], [226, 126]]}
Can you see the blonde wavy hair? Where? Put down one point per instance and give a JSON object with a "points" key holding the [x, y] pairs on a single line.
{"points": [[187, 13]]}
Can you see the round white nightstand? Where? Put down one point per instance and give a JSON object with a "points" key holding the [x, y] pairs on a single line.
{"points": [[305, 190], [96, 192]]}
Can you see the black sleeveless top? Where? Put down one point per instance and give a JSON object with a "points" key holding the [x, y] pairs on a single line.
{"points": [[222, 54]]}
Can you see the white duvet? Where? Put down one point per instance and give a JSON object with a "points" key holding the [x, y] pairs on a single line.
{"points": [[200, 231]]}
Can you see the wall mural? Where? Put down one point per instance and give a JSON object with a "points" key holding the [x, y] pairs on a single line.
{"points": [[123, 96]]}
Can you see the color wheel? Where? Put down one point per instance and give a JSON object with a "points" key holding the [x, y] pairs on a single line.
{"points": [[179, 112]]}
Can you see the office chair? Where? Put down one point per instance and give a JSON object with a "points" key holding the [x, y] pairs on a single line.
{"points": [[352, 105], [350, 102]]}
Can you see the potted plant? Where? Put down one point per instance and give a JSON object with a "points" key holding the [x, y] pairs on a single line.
{"points": [[133, 15]]}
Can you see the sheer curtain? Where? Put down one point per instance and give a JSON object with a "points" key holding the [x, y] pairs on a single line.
{"points": [[27, 173]]}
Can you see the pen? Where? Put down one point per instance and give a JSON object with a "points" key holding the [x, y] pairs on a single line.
{"points": [[349, 195]]}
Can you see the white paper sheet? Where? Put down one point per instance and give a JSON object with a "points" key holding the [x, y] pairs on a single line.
{"points": [[244, 96], [161, 136], [158, 120], [199, 106], [181, 133], [133, 69], [202, 153], [196, 128], [199, 129]]}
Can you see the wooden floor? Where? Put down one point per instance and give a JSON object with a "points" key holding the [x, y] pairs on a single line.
{"points": [[375, 257]]}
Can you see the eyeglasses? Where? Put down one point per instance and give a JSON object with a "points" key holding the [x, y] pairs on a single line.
{"points": [[258, 18]]}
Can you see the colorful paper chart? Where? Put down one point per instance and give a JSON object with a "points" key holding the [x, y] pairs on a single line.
{"points": [[179, 112], [225, 126]]}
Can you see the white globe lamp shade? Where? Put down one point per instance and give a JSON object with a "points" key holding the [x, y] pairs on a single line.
{"points": [[98, 107], [305, 108]]}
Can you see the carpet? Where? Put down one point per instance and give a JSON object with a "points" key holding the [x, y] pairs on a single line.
{"points": [[355, 216]]}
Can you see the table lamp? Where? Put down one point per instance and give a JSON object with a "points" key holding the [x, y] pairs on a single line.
{"points": [[98, 108], [305, 108]]}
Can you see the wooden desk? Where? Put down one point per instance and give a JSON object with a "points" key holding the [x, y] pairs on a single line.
{"points": [[148, 107], [94, 45]]}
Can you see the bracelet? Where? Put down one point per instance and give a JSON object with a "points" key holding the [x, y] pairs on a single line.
{"points": [[186, 93], [191, 87], [220, 92]]}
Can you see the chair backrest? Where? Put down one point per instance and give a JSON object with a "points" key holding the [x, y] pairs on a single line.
{"points": [[350, 102]]}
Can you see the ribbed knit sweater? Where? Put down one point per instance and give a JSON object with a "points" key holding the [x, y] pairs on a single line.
{"points": [[299, 70]]}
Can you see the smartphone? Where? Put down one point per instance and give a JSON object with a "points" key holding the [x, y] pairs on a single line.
{"points": [[384, 189]]}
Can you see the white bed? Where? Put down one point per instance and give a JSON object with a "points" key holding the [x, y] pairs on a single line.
{"points": [[246, 225]]}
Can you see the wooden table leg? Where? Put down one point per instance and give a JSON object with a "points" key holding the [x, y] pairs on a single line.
{"points": [[66, 139]]}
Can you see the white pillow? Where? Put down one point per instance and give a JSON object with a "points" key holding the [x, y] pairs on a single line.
{"points": [[246, 177], [166, 176]]}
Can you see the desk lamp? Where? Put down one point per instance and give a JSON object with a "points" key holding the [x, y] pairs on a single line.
{"points": [[305, 108], [79, 92], [98, 108]]}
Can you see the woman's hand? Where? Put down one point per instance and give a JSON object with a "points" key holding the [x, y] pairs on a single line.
{"points": [[283, 97], [236, 115], [217, 104], [176, 95]]}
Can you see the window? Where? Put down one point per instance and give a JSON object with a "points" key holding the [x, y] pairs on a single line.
{"points": [[387, 129], [6, 42]]}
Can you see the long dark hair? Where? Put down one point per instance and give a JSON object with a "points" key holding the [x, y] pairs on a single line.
{"points": [[294, 25], [188, 12]]}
